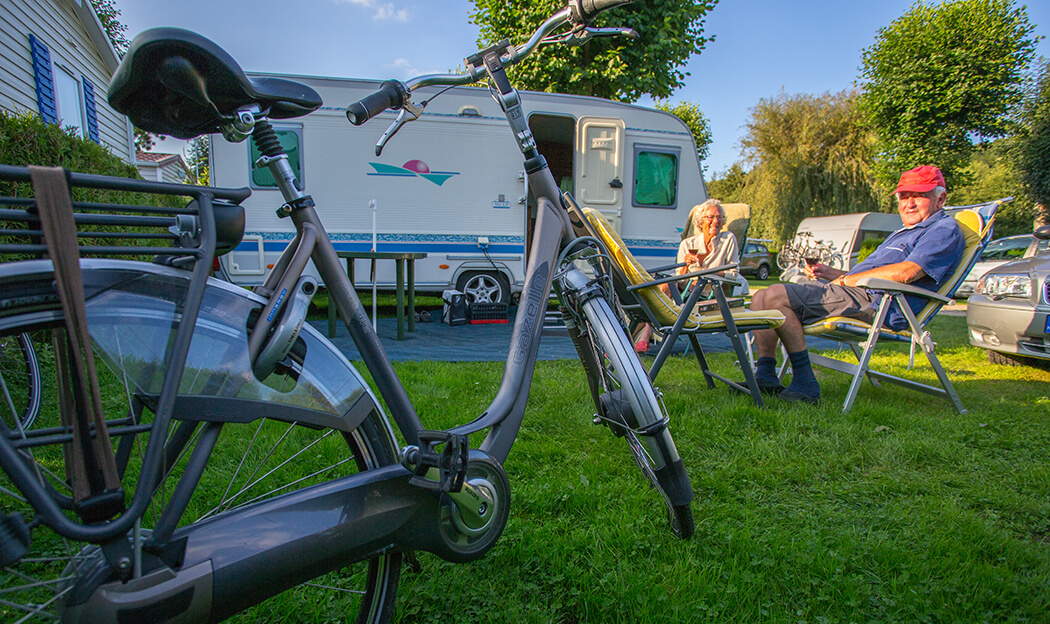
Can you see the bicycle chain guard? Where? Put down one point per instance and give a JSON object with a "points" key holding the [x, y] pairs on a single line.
{"points": [[450, 462]]}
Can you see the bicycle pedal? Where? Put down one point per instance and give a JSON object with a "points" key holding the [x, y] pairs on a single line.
{"points": [[14, 538], [442, 470]]}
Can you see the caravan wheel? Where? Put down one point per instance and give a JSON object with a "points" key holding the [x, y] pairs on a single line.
{"points": [[484, 287]]}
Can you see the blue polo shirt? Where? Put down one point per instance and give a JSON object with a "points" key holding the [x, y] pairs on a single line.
{"points": [[935, 244]]}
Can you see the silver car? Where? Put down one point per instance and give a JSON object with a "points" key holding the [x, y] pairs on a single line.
{"points": [[1009, 312], [999, 251]]}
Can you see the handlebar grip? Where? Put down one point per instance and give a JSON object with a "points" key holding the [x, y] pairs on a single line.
{"points": [[589, 9], [391, 94]]}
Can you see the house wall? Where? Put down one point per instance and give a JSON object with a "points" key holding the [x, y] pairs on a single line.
{"points": [[59, 25], [173, 172]]}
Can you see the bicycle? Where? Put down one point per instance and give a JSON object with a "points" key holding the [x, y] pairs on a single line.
{"points": [[190, 356], [802, 249], [20, 365]]}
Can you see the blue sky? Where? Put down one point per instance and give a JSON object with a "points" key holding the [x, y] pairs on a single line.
{"points": [[761, 47]]}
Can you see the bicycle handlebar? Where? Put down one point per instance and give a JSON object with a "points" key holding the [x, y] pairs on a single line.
{"points": [[393, 94], [587, 10]]}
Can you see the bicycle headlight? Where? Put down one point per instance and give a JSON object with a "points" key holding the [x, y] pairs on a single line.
{"points": [[1002, 285]]}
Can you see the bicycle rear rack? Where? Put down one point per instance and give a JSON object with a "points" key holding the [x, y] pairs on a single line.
{"points": [[155, 219]]}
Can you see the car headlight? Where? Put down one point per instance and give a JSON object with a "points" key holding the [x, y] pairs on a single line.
{"points": [[1005, 285]]}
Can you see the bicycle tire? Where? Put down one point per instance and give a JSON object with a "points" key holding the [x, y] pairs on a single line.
{"points": [[293, 456], [20, 379], [620, 371], [787, 258]]}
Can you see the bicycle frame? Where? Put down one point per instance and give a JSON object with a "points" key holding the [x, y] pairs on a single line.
{"points": [[226, 563]]}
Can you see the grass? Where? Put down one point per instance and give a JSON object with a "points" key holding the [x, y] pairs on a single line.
{"points": [[901, 511]]}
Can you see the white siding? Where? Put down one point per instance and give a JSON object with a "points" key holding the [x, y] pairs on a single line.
{"points": [[57, 25]]}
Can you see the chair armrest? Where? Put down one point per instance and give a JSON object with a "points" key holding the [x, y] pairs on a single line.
{"points": [[705, 273], [890, 286], [666, 268]]}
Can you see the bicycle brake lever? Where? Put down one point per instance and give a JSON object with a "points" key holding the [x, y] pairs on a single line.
{"points": [[580, 36], [409, 112]]}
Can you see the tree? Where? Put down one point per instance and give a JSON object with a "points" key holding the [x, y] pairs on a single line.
{"points": [[697, 123], [940, 76], [198, 159], [728, 185], [810, 156], [108, 13], [671, 31], [1033, 153], [992, 174]]}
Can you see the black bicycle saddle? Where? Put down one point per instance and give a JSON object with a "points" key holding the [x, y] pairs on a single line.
{"points": [[178, 83]]}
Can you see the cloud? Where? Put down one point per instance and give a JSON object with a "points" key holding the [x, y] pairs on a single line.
{"points": [[382, 10]]}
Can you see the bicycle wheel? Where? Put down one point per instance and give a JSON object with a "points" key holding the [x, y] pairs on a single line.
{"points": [[250, 462], [787, 257], [19, 379], [631, 405]]}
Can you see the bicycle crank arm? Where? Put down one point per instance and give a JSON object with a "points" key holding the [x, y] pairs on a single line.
{"points": [[241, 558]]}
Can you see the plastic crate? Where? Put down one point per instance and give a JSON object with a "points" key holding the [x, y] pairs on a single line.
{"points": [[482, 313]]}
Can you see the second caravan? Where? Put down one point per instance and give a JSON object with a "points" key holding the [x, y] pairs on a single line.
{"points": [[451, 184]]}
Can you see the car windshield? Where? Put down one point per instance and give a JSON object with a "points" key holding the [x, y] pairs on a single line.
{"points": [[1006, 248]]}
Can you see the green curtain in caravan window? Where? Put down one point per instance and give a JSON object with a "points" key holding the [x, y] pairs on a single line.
{"points": [[291, 142], [655, 179]]}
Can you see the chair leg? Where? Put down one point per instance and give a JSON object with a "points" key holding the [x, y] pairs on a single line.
{"points": [[865, 357], [702, 361], [857, 351]]}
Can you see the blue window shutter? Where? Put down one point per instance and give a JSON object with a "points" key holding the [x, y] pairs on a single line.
{"points": [[89, 109], [45, 85]]}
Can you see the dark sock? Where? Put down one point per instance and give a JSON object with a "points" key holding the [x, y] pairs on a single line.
{"points": [[802, 379], [766, 371]]}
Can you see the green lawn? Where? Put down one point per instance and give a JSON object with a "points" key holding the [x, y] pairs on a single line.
{"points": [[901, 510]]}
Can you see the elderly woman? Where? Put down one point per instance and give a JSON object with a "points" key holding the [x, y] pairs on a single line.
{"points": [[709, 247]]}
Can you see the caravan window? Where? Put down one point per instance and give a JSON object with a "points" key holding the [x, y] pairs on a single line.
{"points": [[291, 138], [655, 176]]}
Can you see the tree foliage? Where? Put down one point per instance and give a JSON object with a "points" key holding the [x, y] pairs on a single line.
{"points": [[698, 124], [728, 185], [198, 159], [108, 13], [940, 75], [1033, 150], [671, 31], [810, 156]]}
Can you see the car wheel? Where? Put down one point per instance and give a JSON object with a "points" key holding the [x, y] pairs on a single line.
{"points": [[763, 272], [484, 287], [1009, 359]]}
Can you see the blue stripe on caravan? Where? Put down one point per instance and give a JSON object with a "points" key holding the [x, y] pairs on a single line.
{"points": [[274, 242]]}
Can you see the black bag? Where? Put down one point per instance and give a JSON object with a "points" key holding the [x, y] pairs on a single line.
{"points": [[454, 309]]}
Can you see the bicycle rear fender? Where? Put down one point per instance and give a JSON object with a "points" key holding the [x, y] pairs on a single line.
{"points": [[133, 311]]}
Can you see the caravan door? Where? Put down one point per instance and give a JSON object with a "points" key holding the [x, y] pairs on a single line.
{"points": [[599, 166]]}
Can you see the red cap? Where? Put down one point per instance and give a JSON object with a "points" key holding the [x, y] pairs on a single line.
{"points": [[921, 179]]}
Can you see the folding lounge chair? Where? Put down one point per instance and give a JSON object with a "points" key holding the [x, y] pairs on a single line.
{"points": [[642, 299], [862, 338]]}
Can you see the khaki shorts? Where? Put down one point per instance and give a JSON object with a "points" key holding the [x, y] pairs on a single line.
{"points": [[813, 301]]}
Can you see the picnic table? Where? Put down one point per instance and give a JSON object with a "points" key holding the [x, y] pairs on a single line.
{"points": [[401, 259]]}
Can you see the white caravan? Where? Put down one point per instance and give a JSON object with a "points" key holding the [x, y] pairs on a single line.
{"points": [[846, 233], [451, 184]]}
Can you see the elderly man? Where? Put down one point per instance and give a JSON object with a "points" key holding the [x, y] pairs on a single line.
{"points": [[924, 252], [709, 247]]}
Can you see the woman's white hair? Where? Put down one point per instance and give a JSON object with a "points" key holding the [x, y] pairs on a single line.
{"points": [[699, 209]]}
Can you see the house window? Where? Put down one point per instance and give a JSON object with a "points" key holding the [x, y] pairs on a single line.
{"points": [[67, 92], [655, 177], [61, 97], [291, 138]]}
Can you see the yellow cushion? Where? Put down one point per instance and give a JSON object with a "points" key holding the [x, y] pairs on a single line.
{"points": [[663, 307]]}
